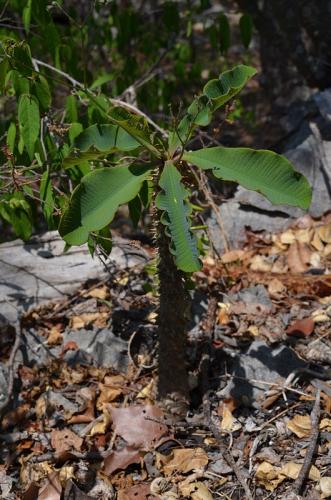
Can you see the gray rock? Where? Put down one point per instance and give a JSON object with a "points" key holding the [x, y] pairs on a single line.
{"points": [[311, 155], [39, 271], [259, 367]]}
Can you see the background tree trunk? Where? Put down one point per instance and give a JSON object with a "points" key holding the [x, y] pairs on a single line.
{"points": [[173, 323], [295, 42]]}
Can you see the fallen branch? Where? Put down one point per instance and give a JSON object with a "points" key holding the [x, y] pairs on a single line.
{"points": [[11, 371], [315, 418]]}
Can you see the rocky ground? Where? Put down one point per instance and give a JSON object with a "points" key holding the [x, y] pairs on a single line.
{"points": [[84, 420]]}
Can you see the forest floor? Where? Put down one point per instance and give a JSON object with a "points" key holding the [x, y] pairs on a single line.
{"points": [[86, 422]]}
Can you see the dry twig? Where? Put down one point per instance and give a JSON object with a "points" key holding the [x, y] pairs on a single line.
{"points": [[315, 418], [11, 370]]}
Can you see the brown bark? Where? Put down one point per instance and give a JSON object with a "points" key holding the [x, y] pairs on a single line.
{"points": [[172, 323]]}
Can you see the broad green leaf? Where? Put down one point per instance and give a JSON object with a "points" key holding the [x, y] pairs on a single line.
{"points": [[229, 83], [74, 131], [46, 197], [172, 201], [136, 126], [264, 171], [29, 121], [215, 94], [17, 212], [95, 200], [246, 29], [99, 140]]}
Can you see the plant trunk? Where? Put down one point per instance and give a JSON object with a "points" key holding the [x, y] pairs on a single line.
{"points": [[173, 320]]}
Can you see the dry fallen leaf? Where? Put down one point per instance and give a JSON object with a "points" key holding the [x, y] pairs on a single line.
{"points": [[99, 319], [55, 336], [147, 429], [102, 426], [52, 488], [229, 423], [98, 293], [223, 315], [107, 395], [232, 256], [195, 491], [325, 487], [292, 469], [137, 492], [260, 263], [121, 460], [65, 440], [183, 460], [298, 257], [301, 328], [324, 232], [300, 425], [268, 476], [276, 288]]}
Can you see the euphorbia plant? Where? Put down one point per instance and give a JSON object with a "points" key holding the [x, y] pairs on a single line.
{"points": [[160, 170]]}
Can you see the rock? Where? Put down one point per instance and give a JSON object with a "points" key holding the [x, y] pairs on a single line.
{"points": [[98, 346], [257, 368], [309, 148], [39, 271]]}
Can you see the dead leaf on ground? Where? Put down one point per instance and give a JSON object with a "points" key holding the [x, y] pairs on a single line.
{"points": [[52, 489], [140, 426], [121, 459], [65, 440], [268, 476], [99, 319], [228, 422], [195, 491], [98, 293], [102, 426], [292, 469], [298, 257], [325, 487], [261, 264], [301, 328], [276, 288], [138, 492], [182, 460], [324, 232], [55, 336], [232, 256], [300, 425]]}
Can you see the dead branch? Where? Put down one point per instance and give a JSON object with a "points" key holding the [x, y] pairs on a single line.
{"points": [[315, 418]]}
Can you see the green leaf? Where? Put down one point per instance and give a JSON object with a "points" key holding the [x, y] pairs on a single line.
{"points": [[101, 80], [11, 136], [71, 109], [135, 210], [264, 171], [3, 73], [41, 90], [26, 16], [215, 94], [136, 126], [17, 212], [46, 196], [95, 200], [246, 29], [228, 84], [176, 217], [99, 140], [224, 33], [29, 121]]}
